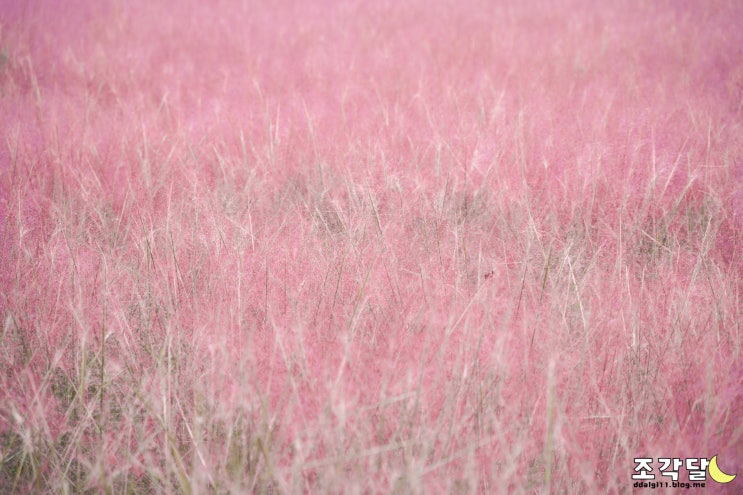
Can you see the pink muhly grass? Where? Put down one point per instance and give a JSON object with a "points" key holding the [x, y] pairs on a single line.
{"points": [[323, 247]]}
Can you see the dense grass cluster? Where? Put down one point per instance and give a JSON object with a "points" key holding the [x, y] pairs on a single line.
{"points": [[368, 247]]}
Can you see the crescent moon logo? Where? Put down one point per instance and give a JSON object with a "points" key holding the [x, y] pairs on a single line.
{"points": [[717, 474]]}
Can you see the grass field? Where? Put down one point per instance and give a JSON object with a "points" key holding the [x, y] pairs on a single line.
{"points": [[369, 247]]}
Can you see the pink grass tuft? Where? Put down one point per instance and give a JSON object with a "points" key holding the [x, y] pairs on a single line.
{"points": [[368, 247]]}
